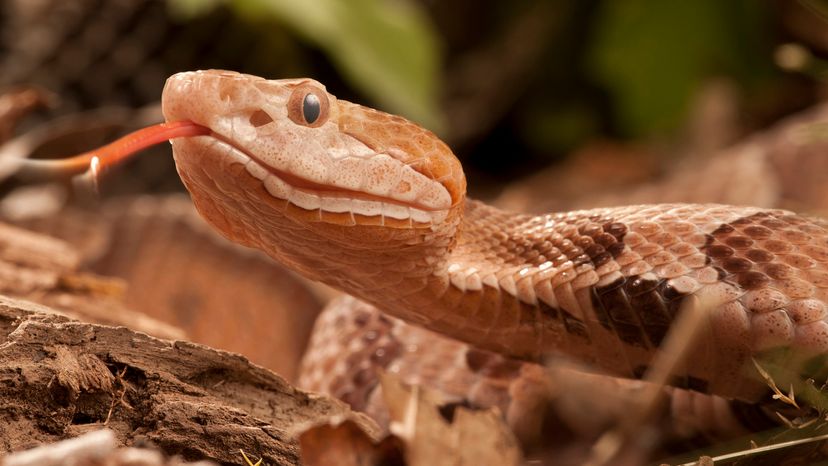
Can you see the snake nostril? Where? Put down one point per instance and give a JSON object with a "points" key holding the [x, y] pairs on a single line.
{"points": [[260, 118]]}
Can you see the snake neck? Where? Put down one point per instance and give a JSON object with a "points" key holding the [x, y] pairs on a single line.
{"points": [[499, 280], [483, 278], [513, 283]]}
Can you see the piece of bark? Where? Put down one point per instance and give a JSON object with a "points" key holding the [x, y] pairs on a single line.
{"points": [[60, 378]]}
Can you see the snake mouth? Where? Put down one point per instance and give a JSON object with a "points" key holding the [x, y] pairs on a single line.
{"points": [[312, 196]]}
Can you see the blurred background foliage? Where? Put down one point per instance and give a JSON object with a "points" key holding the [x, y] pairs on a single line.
{"points": [[512, 86], [387, 50], [652, 56]]}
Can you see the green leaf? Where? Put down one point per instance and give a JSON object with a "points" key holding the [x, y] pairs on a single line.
{"points": [[186, 9], [653, 54], [387, 49]]}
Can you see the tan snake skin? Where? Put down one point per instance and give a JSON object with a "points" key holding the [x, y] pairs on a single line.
{"points": [[375, 206]]}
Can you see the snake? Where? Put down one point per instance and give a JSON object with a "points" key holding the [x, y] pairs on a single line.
{"points": [[375, 206]]}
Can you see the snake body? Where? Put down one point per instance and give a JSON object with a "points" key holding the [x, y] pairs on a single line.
{"points": [[375, 206]]}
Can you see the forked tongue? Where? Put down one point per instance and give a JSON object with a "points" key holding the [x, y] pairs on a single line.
{"points": [[110, 154]]}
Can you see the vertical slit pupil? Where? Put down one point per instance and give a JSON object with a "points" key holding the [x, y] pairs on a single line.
{"points": [[311, 108]]}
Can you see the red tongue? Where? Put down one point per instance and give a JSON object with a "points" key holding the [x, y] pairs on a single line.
{"points": [[116, 151]]}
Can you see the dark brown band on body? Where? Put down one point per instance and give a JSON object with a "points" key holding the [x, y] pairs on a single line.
{"points": [[638, 309]]}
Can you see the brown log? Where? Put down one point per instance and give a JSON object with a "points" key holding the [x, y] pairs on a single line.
{"points": [[60, 378]]}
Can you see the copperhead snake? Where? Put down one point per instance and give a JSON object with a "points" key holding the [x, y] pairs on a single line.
{"points": [[375, 206]]}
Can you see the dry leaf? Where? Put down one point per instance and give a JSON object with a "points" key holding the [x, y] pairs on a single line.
{"points": [[346, 444], [454, 437]]}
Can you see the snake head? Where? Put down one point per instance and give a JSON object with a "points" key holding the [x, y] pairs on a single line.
{"points": [[286, 154]]}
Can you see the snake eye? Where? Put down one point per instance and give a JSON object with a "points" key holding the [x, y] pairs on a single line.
{"points": [[308, 106]]}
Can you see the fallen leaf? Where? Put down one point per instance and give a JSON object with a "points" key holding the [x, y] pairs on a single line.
{"points": [[458, 436], [346, 444]]}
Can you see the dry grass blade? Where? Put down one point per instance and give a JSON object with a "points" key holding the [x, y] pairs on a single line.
{"points": [[247, 460], [754, 451], [777, 393], [683, 334], [800, 438]]}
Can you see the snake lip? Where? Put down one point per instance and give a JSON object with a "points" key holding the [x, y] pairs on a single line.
{"points": [[316, 188]]}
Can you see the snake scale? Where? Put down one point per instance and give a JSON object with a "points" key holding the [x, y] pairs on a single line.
{"points": [[375, 206]]}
